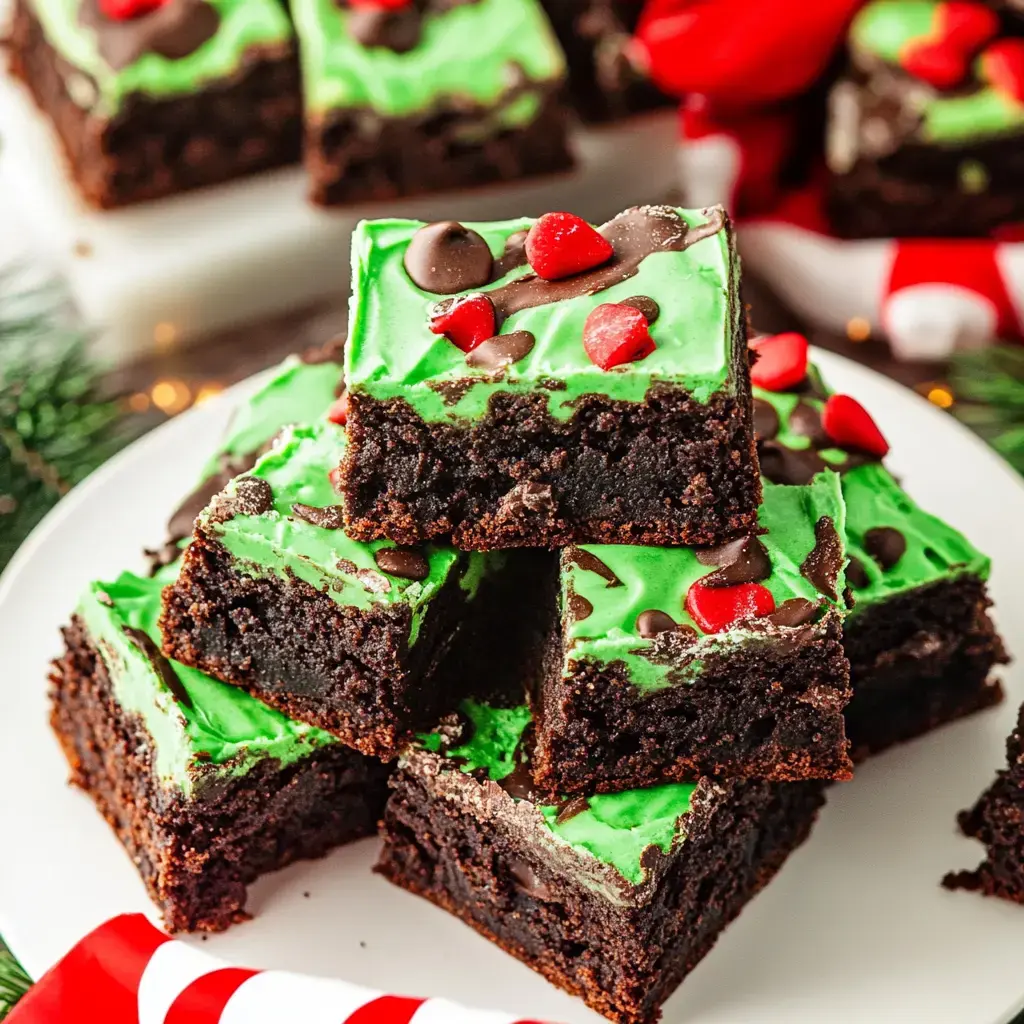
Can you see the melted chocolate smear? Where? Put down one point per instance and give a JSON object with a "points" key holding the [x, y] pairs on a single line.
{"points": [[445, 258], [766, 420], [885, 545], [744, 560], [512, 258], [821, 567], [501, 351], [174, 30], [646, 305], [405, 563], [591, 563], [805, 420], [329, 518], [797, 611], [528, 882], [856, 574], [573, 806], [164, 669], [579, 607], [651, 622], [399, 30], [184, 516], [784, 465], [634, 235]]}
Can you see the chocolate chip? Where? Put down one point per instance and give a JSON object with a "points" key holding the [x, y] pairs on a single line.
{"points": [[805, 420], [784, 465], [646, 305], [445, 258], [579, 607], [573, 806], [397, 30], [766, 420], [743, 560], [797, 611], [821, 567], [591, 563], [519, 784], [856, 574], [329, 518], [651, 622], [528, 882], [501, 351], [159, 661], [406, 563], [885, 545]]}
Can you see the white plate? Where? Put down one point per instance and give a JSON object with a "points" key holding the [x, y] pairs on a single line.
{"points": [[855, 928]]}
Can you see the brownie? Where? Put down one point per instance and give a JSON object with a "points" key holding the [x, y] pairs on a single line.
{"points": [[926, 132], [501, 394], [438, 94], [206, 787], [366, 641], [614, 898], [603, 84], [997, 821], [673, 663], [919, 638], [191, 93]]}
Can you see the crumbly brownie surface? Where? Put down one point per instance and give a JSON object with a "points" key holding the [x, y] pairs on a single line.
{"points": [[643, 683], [541, 446], [614, 900], [157, 126]]}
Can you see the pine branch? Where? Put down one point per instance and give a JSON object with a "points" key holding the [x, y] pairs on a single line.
{"points": [[14, 982], [989, 389]]}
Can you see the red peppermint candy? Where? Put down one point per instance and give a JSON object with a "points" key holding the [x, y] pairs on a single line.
{"points": [[615, 334], [715, 609], [965, 24], [562, 244], [940, 64], [338, 412], [781, 361], [124, 10], [465, 321], [1002, 66], [850, 426]]}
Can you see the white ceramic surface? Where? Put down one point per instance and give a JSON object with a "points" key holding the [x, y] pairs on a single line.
{"points": [[854, 929]]}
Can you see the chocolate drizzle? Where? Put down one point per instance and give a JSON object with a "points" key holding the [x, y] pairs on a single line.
{"points": [[501, 351], [405, 563], [173, 30], [744, 560], [591, 563], [329, 518], [821, 567], [158, 660], [886, 545]]}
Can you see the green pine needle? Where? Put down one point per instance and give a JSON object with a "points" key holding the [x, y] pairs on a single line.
{"points": [[989, 388], [14, 982]]}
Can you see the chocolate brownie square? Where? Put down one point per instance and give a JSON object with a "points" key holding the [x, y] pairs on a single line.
{"points": [[672, 663], [206, 787], [926, 128], [919, 638], [614, 898], [436, 94], [162, 98], [543, 383], [366, 641]]}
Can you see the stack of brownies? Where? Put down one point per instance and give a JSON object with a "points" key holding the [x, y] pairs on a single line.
{"points": [[604, 592]]}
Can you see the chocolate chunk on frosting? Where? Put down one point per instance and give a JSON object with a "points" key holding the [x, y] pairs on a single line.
{"points": [[329, 518], [784, 465], [646, 305], [805, 420], [579, 607], [160, 663], [856, 574], [651, 622], [821, 567], [406, 563], [252, 497], [886, 545], [797, 611], [501, 351], [446, 258], [591, 563], [766, 420], [568, 810], [744, 560]]}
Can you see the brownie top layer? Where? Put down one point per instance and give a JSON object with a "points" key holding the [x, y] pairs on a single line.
{"points": [[200, 728], [618, 829], [676, 266], [893, 544], [659, 611], [959, 80], [159, 50], [403, 62], [284, 518]]}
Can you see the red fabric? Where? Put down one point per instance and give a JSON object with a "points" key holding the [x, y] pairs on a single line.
{"points": [[203, 1001], [386, 1010], [741, 53], [98, 981]]}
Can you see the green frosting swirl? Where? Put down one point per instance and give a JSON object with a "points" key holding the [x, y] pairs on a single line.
{"points": [[223, 732], [659, 578], [615, 828], [392, 354], [464, 53], [244, 25]]}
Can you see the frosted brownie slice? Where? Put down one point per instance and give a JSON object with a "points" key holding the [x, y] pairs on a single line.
{"points": [[206, 787], [541, 383], [614, 898]]}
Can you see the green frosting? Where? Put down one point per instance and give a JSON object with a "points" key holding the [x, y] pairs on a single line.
{"points": [[279, 542], [244, 25], [391, 352], [223, 732], [472, 51], [615, 828], [884, 27], [935, 551], [659, 578]]}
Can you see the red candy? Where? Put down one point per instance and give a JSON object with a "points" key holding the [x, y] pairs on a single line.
{"points": [[940, 64], [717, 608], [781, 361], [335, 478], [562, 244], [615, 334], [1002, 64], [380, 5], [338, 412], [967, 25], [123, 10], [466, 321], [850, 426]]}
